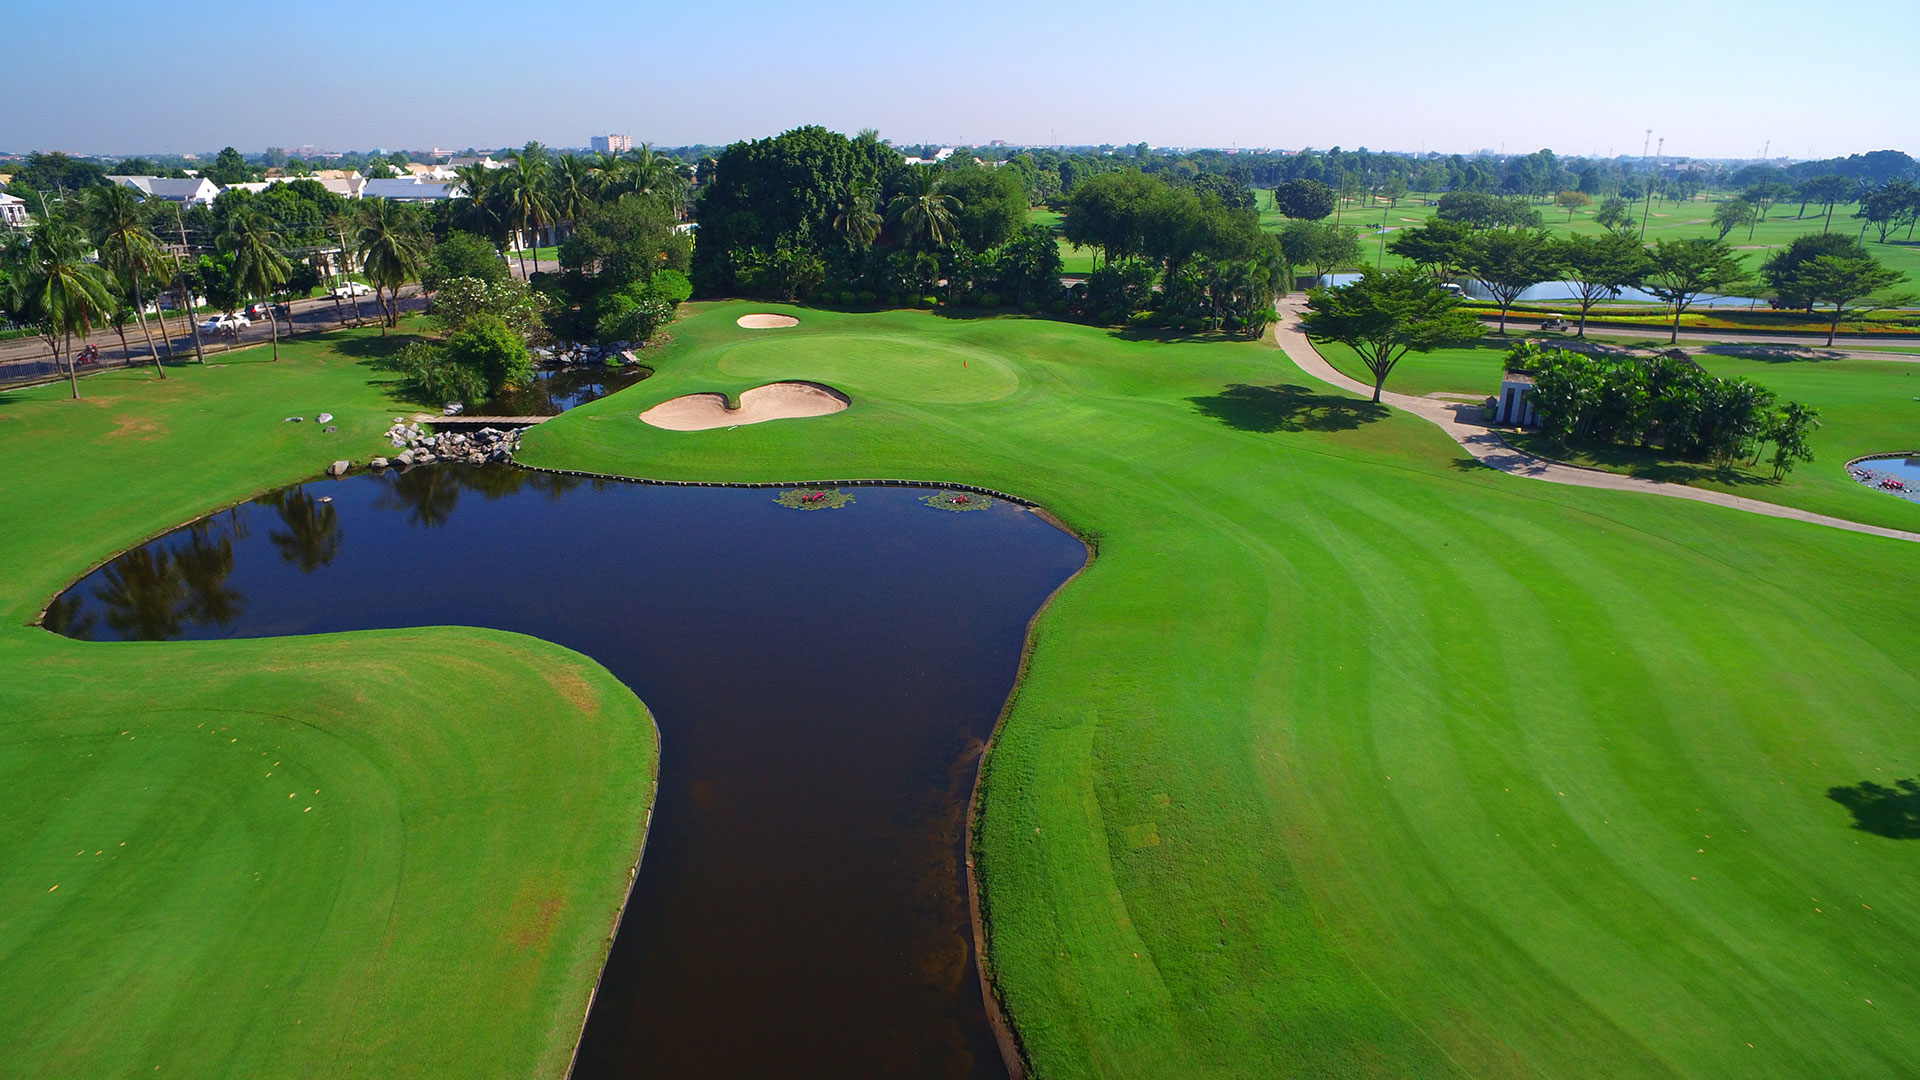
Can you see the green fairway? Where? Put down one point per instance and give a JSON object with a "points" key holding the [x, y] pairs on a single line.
{"points": [[385, 854], [1866, 407], [1348, 757]]}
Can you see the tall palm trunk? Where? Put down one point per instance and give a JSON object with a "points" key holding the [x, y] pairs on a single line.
{"points": [[126, 350], [140, 313], [73, 377], [536, 246], [273, 328]]}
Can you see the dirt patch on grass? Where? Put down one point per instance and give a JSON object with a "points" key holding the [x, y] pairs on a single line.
{"points": [[530, 923], [144, 428], [570, 684]]}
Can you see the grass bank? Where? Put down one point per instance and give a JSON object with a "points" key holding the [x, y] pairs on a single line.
{"points": [[383, 854]]}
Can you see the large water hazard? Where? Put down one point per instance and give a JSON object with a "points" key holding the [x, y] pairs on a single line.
{"points": [[822, 679]]}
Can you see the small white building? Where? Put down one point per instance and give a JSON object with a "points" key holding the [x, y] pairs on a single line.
{"points": [[411, 189], [193, 191], [1514, 407], [13, 211], [610, 144]]}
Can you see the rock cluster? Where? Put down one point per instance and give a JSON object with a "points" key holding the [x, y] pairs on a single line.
{"points": [[570, 353], [421, 447]]}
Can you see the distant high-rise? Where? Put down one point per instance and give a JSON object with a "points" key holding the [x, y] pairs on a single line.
{"points": [[611, 144]]}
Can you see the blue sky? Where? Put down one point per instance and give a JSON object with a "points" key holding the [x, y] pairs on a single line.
{"points": [[1716, 79]]}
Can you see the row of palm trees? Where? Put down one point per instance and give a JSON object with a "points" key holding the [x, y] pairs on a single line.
{"points": [[536, 191], [88, 260]]}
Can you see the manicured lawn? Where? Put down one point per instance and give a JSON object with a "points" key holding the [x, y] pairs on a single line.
{"points": [[1866, 407], [1348, 757], [383, 854]]}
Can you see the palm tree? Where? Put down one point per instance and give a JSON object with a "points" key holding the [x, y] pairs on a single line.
{"points": [[923, 212], [857, 218], [258, 266], [339, 225], [610, 174], [651, 175], [390, 253], [56, 289], [119, 230], [528, 204], [573, 187]]}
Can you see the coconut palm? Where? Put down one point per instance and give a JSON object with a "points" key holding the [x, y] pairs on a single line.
{"points": [[119, 230], [55, 289], [259, 268], [573, 188], [923, 213], [391, 253], [341, 227], [528, 201], [857, 218], [651, 175]]}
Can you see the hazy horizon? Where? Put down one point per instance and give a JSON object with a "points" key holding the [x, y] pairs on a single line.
{"points": [[354, 76]]}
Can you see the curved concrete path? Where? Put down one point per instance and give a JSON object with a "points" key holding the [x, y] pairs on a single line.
{"points": [[1460, 422]]}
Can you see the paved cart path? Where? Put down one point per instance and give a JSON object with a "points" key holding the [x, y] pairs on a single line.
{"points": [[1461, 423]]}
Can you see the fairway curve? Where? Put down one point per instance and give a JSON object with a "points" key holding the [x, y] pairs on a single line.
{"points": [[766, 321], [774, 401]]}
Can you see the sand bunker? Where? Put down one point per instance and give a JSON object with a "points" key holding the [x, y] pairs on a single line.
{"points": [[774, 401], [766, 321]]}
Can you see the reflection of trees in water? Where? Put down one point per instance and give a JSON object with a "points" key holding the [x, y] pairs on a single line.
{"points": [[65, 617], [427, 495], [312, 535], [151, 591]]}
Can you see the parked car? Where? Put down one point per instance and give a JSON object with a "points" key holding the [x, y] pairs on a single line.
{"points": [[225, 324], [352, 289]]}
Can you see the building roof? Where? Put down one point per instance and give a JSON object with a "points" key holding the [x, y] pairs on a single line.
{"points": [[9, 200], [191, 189], [410, 189]]}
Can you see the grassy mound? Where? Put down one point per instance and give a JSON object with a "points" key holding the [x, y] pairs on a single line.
{"points": [[385, 854], [1350, 757]]}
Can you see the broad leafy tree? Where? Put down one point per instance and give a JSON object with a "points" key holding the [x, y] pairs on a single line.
{"points": [[1304, 200], [1384, 316], [1599, 267], [1732, 214], [1320, 246], [1510, 261], [1841, 280], [1682, 271]]}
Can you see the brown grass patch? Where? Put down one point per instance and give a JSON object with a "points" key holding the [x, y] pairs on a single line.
{"points": [[145, 428], [573, 686]]}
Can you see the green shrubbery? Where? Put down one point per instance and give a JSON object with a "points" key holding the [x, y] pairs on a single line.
{"points": [[1665, 401]]}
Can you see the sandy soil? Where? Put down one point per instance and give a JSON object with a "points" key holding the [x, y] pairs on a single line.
{"points": [[774, 401], [767, 322]]}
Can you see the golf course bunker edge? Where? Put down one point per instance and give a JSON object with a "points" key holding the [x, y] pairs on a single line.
{"points": [[766, 321], [773, 401]]}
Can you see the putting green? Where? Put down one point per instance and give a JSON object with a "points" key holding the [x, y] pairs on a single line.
{"points": [[901, 367], [1347, 756]]}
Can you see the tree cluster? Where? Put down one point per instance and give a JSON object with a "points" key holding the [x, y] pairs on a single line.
{"points": [[1667, 401]]}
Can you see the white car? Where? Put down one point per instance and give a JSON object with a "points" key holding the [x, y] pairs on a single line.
{"points": [[228, 324], [352, 289]]}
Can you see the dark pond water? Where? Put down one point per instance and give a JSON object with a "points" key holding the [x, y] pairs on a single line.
{"points": [[822, 680], [555, 390]]}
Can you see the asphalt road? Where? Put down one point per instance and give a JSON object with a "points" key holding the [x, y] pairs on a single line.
{"points": [[26, 359]]}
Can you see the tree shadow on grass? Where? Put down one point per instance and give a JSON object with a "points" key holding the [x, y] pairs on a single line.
{"points": [[1633, 461], [367, 347], [1286, 407], [1892, 812], [1774, 354]]}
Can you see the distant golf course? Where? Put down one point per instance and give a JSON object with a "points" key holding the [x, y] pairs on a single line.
{"points": [[1344, 756]]}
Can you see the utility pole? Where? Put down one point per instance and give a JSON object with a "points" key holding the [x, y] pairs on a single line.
{"points": [[186, 287], [1648, 208]]}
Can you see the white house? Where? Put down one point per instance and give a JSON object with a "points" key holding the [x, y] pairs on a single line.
{"points": [[13, 211], [411, 189], [193, 191]]}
